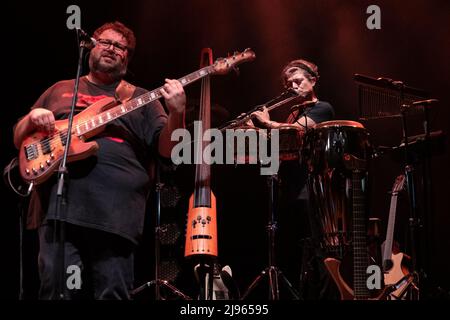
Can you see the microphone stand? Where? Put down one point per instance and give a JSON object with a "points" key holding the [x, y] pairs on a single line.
{"points": [[409, 174], [425, 222], [59, 223]]}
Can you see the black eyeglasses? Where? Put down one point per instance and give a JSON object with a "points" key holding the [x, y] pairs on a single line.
{"points": [[105, 43]]}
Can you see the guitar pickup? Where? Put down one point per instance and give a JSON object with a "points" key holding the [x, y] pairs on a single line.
{"points": [[32, 152]]}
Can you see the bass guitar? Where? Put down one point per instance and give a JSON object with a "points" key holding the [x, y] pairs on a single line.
{"points": [[40, 153], [360, 291]]}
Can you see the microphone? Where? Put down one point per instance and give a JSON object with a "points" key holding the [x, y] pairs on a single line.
{"points": [[88, 41]]}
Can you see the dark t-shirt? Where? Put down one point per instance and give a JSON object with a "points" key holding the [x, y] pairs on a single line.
{"points": [[321, 111], [294, 174], [107, 191]]}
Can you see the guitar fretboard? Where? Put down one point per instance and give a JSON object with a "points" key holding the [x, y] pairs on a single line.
{"points": [[390, 229], [387, 253], [116, 112], [360, 256], [202, 191]]}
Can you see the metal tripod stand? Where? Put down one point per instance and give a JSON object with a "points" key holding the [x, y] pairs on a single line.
{"points": [[273, 273]]}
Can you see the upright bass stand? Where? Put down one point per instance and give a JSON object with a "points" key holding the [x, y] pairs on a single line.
{"points": [[272, 271]]}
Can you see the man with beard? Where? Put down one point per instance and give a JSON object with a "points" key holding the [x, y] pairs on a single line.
{"points": [[105, 194]]}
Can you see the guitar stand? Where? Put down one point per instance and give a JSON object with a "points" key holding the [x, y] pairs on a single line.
{"points": [[272, 271], [410, 288], [158, 283]]}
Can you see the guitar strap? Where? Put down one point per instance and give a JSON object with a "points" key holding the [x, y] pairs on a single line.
{"points": [[124, 91]]}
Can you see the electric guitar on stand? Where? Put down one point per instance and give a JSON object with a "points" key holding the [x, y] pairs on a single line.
{"points": [[360, 290], [357, 167]]}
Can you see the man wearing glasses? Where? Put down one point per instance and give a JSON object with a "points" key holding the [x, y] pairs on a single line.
{"points": [[106, 194]]}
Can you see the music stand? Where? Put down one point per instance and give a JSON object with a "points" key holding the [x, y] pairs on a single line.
{"points": [[272, 271]]}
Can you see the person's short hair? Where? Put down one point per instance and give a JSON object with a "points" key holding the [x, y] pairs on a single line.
{"points": [[119, 27], [311, 69]]}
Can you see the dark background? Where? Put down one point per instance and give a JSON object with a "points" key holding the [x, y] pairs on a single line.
{"points": [[413, 45]]}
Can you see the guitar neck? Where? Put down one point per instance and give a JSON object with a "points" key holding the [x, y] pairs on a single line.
{"points": [[387, 253], [360, 256], [118, 111], [202, 190]]}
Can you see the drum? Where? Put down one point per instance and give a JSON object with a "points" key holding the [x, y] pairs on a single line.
{"points": [[290, 142], [327, 143], [245, 144], [330, 182]]}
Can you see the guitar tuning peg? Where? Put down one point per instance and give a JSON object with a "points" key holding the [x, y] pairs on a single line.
{"points": [[236, 69]]}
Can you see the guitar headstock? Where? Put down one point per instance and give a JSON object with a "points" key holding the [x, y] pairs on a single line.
{"points": [[399, 183], [224, 65]]}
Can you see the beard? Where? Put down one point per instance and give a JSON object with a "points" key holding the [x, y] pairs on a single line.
{"points": [[116, 69]]}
